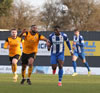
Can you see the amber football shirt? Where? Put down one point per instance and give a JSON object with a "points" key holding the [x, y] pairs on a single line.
{"points": [[14, 46], [30, 44]]}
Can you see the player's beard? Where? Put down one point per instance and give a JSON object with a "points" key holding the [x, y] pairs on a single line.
{"points": [[58, 33], [33, 32]]}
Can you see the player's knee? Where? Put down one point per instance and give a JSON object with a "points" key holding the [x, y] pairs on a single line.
{"points": [[54, 67], [74, 58], [60, 66], [83, 60], [30, 64], [30, 61], [14, 61]]}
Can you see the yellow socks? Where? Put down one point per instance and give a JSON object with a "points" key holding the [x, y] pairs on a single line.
{"points": [[23, 73], [30, 71], [14, 68]]}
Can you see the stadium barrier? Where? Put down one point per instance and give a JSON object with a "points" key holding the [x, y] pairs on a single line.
{"points": [[48, 70], [92, 49]]}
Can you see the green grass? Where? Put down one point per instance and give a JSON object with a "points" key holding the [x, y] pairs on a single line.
{"points": [[48, 84]]}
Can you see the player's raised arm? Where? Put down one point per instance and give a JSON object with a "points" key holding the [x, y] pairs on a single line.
{"points": [[22, 33]]}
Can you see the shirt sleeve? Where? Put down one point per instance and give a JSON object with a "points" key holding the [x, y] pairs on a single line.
{"points": [[74, 38], [67, 41], [6, 44], [65, 37], [50, 38], [41, 37], [25, 34], [74, 41], [81, 41]]}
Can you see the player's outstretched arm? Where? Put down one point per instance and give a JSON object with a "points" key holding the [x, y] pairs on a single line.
{"points": [[46, 40], [47, 43], [41, 37]]}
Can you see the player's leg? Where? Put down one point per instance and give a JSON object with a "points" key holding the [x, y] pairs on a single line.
{"points": [[23, 73], [24, 60], [30, 68], [53, 63], [60, 59], [24, 70], [74, 58], [14, 68], [82, 56], [60, 73], [54, 66]]}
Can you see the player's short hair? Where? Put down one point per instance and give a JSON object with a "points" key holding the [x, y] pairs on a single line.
{"points": [[76, 29], [57, 26], [32, 26], [13, 29]]}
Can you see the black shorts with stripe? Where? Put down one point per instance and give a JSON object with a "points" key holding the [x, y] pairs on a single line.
{"points": [[25, 57], [17, 56]]}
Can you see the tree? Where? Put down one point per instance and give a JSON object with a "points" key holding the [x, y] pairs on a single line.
{"points": [[84, 14], [5, 6], [80, 12], [52, 14], [93, 23], [21, 15]]}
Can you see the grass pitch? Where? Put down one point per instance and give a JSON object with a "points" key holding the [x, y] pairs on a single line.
{"points": [[48, 84]]}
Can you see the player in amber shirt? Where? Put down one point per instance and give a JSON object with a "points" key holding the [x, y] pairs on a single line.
{"points": [[13, 44], [30, 48]]}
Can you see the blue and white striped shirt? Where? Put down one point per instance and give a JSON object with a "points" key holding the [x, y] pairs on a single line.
{"points": [[79, 47], [57, 42]]}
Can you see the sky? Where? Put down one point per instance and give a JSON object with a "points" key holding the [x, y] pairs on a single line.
{"points": [[39, 3], [36, 3]]}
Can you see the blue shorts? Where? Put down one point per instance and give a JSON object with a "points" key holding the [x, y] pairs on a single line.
{"points": [[56, 57], [80, 55]]}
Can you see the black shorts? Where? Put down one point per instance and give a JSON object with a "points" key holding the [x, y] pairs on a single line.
{"points": [[16, 57], [25, 57]]}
